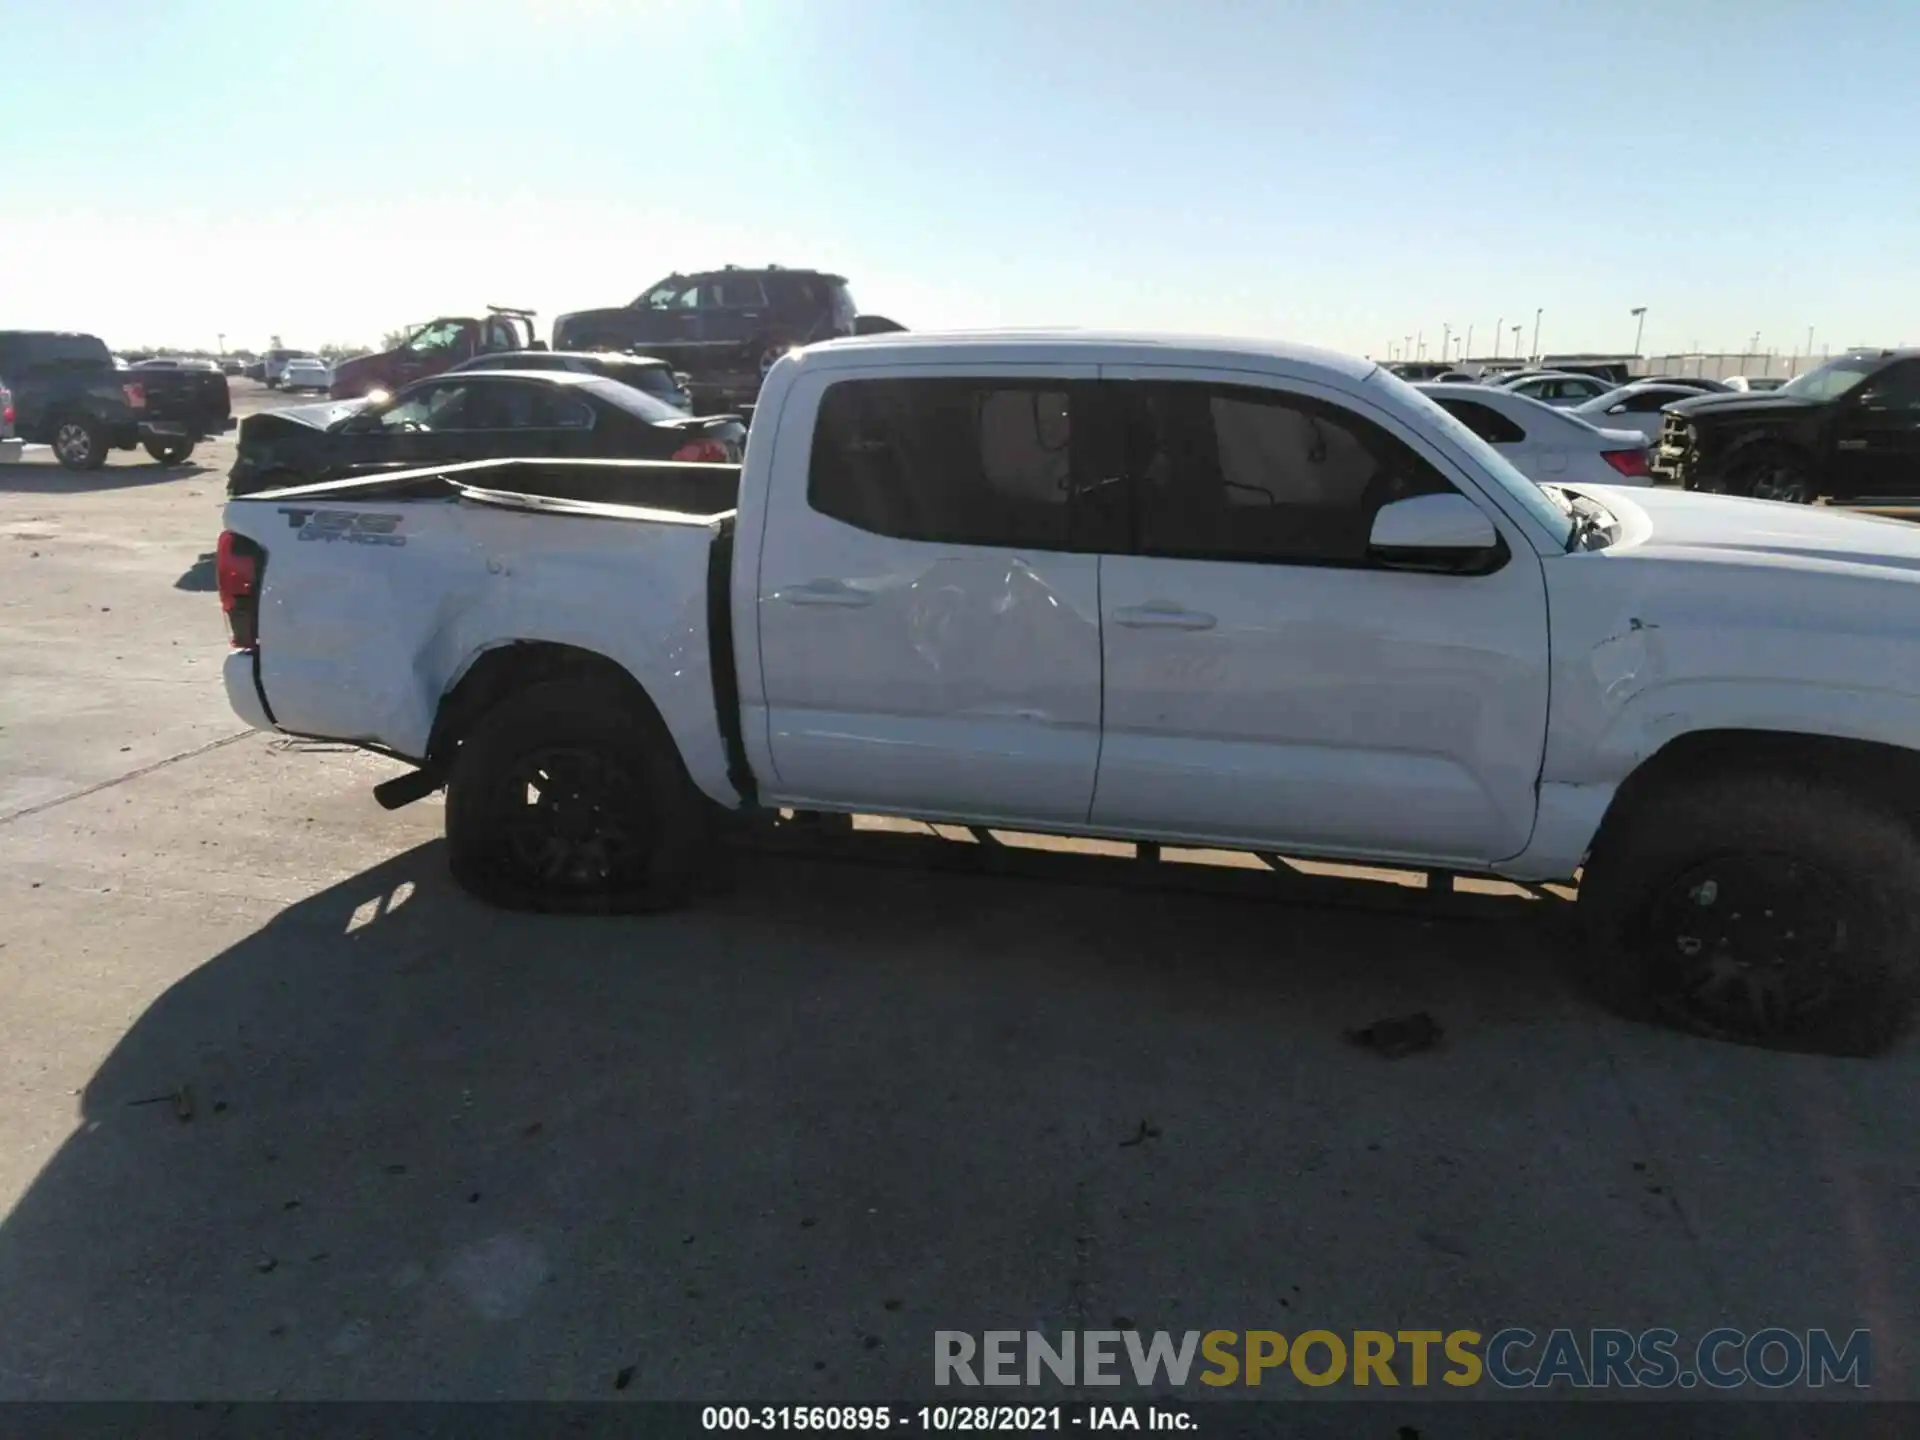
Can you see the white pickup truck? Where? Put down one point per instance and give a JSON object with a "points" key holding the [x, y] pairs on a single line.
{"points": [[1201, 592]]}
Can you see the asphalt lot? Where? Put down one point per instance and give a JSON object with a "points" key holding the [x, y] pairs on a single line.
{"points": [[767, 1147]]}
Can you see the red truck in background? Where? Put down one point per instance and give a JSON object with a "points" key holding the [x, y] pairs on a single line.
{"points": [[437, 345]]}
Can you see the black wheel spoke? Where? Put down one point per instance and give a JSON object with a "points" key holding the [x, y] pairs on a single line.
{"points": [[1747, 943], [571, 819]]}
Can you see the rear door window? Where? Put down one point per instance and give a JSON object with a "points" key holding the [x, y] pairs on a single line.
{"points": [[513, 405], [961, 461], [735, 292], [1485, 421]]}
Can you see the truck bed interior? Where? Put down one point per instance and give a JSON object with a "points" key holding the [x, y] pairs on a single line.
{"points": [[576, 487]]}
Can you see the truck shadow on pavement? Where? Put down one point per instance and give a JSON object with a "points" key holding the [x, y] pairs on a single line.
{"points": [[397, 1144], [46, 477]]}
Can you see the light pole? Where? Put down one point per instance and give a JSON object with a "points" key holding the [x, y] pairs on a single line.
{"points": [[1466, 348], [1536, 332], [1496, 335], [1639, 313], [1446, 347], [1420, 345], [1516, 342], [222, 338], [1406, 350]]}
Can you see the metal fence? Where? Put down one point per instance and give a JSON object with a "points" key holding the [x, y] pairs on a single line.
{"points": [[1726, 366]]}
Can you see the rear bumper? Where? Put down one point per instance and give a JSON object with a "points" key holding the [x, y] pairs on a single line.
{"points": [[242, 693]]}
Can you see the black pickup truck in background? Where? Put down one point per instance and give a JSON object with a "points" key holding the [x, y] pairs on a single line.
{"points": [[69, 392], [1848, 430]]}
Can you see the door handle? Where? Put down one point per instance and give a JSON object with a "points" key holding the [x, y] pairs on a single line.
{"points": [[1162, 617], [826, 592]]}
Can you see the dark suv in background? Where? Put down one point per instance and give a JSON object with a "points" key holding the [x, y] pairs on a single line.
{"points": [[1848, 430], [723, 328], [66, 390]]}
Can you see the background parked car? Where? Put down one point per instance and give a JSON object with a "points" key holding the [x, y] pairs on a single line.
{"points": [[1751, 383], [1848, 430], [275, 362], [304, 372], [1545, 444], [1699, 384], [642, 372], [69, 392], [1554, 388], [476, 415], [1633, 407]]}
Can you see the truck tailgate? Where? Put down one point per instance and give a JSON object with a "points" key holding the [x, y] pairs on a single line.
{"points": [[373, 603]]}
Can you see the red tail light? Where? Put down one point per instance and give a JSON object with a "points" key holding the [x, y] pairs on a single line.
{"points": [[6, 406], [237, 569], [1631, 463], [712, 452], [136, 394]]}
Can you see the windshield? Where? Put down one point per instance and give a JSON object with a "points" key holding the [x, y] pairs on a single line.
{"points": [[1549, 516], [437, 338], [1830, 381]]}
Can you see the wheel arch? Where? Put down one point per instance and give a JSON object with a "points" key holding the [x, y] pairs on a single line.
{"points": [[1886, 774], [501, 669], [1765, 443]]}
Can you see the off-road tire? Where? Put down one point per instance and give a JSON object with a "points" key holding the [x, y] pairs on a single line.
{"points": [[170, 452], [652, 802], [79, 442], [1862, 954]]}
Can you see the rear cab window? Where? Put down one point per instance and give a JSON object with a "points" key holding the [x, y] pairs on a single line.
{"points": [[963, 461], [21, 353]]}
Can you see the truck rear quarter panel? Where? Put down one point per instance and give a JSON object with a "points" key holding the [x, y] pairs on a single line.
{"points": [[371, 612]]}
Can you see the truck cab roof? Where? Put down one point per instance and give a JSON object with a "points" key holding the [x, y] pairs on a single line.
{"points": [[1068, 346]]}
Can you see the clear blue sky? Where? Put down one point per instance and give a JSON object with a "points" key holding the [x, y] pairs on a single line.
{"points": [[1333, 172]]}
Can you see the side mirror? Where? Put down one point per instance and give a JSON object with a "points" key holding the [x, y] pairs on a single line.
{"points": [[536, 345], [875, 325], [1445, 533]]}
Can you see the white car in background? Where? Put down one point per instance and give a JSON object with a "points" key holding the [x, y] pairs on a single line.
{"points": [[1750, 383], [1546, 445], [1557, 388], [306, 372], [1634, 407]]}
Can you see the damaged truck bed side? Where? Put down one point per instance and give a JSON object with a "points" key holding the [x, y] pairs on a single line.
{"points": [[1185, 591]]}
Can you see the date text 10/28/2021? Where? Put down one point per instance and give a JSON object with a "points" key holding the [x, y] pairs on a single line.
{"points": [[945, 1418]]}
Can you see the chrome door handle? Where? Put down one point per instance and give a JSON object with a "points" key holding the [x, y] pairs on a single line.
{"points": [[826, 592], [1162, 617]]}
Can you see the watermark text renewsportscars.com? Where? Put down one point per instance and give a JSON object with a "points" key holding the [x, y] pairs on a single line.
{"points": [[1513, 1358]]}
